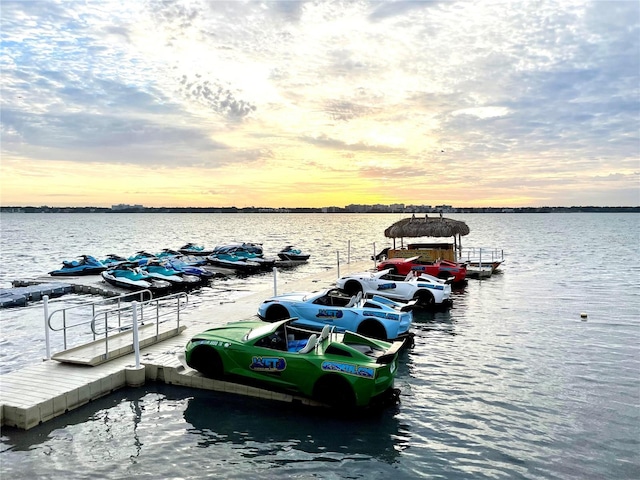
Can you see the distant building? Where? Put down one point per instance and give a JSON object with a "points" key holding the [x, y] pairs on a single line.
{"points": [[444, 208], [123, 207]]}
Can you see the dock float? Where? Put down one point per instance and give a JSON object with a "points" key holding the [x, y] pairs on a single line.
{"points": [[18, 297], [41, 392], [93, 284]]}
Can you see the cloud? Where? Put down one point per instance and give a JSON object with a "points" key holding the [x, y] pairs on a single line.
{"points": [[216, 97], [544, 93]]}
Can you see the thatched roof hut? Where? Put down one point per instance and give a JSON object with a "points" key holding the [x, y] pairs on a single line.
{"points": [[427, 227]]}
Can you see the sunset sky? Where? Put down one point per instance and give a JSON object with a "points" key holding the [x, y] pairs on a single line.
{"points": [[320, 103]]}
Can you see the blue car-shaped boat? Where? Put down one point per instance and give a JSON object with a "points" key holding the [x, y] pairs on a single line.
{"points": [[376, 317]]}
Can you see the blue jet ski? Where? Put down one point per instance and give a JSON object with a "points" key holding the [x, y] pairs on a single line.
{"points": [[177, 278], [142, 257], [129, 276], [86, 265], [247, 252], [169, 254], [193, 249], [112, 260], [293, 254], [229, 260], [181, 265]]}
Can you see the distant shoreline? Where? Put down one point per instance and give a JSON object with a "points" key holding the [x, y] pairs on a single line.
{"points": [[350, 209]]}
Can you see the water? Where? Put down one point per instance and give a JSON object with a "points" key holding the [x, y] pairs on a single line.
{"points": [[509, 383]]}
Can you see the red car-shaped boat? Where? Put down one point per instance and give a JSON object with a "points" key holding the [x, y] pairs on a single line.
{"points": [[439, 268]]}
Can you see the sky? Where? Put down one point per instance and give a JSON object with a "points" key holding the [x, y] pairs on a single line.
{"points": [[320, 103]]}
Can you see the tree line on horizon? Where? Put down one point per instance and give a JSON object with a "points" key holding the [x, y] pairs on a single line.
{"points": [[373, 209]]}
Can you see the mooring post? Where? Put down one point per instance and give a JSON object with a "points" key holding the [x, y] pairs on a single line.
{"points": [[45, 303], [136, 343], [275, 281]]}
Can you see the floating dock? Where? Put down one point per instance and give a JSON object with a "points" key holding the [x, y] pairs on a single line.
{"points": [[18, 297], [40, 392]]}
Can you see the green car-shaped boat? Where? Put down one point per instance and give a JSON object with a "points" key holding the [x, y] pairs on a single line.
{"points": [[343, 370]]}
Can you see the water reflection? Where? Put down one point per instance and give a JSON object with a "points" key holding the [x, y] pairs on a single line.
{"points": [[264, 427], [425, 321], [115, 417]]}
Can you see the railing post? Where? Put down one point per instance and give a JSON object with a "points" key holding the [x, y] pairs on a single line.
{"points": [[136, 344], [275, 281], [45, 303], [106, 334], [338, 260], [178, 312], [349, 252], [64, 328], [93, 315]]}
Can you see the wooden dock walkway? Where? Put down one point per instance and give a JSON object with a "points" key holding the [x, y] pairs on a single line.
{"points": [[38, 393]]}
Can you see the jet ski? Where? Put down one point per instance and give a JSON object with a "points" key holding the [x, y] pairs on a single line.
{"points": [[128, 275], [182, 266], [85, 265], [142, 257], [177, 278], [229, 260], [193, 249], [246, 251], [112, 260], [291, 253], [168, 253]]}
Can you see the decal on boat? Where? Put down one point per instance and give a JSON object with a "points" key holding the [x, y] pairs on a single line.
{"points": [[386, 286], [325, 313], [375, 313], [348, 368], [433, 287], [268, 364], [213, 343]]}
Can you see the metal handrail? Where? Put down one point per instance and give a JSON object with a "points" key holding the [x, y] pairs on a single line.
{"points": [[49, 317], [134, 316], [156, 302]]}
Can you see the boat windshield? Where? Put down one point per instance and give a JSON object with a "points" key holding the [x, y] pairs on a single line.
{"points": [[258, 332]]}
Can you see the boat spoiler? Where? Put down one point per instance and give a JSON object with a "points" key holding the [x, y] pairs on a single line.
{"points": [[404, 306], [391, 353]]}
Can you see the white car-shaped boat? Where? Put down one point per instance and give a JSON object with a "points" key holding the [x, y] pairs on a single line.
{"points": [[425, 289], [376, 317]]}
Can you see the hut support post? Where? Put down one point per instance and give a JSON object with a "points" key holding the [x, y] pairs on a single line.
{"points": [[375, 259], [455, 248]]}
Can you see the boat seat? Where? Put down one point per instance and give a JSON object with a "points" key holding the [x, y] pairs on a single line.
{"points": [[326, 331], [351, 302], [313, 339], [358, 298]]}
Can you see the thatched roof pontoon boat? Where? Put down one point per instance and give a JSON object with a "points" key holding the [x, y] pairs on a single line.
{"points": [[436, 227]]}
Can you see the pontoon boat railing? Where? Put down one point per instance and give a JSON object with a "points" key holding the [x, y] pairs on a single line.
{"points": [[481, 255]]}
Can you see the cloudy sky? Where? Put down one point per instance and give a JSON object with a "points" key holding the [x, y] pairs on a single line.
{"points": [[320, 103]]}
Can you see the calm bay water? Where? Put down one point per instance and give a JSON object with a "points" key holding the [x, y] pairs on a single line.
{"points": [[509, 383]]}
